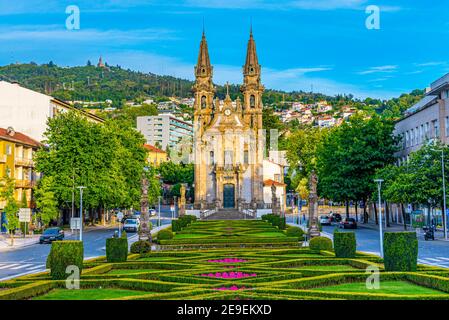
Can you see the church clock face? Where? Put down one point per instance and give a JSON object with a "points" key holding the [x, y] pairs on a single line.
{"points": [[227, 112]]}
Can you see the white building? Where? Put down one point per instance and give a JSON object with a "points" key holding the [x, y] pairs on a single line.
{"points": [[273, 174], [27, 111], [426, 120], [164, 129]]}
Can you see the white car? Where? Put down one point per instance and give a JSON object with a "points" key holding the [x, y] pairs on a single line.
{"points": [[325, 220], [131, 225]]}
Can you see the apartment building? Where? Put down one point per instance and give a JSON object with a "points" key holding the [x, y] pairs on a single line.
{"points": [[27, 111], [164, 130], [16, 161], [426, 120]]}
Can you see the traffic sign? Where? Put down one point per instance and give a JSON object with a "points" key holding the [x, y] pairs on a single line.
{"points": [[120, 215], [172, 208], [75, 223], [24, 215]]}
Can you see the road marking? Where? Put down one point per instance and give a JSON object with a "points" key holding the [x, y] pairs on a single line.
{"points": [[9, 266], [21, 266], [36, 267]]}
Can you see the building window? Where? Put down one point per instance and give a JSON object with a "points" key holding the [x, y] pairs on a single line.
{"points": [[203, 102], [427, 131], [8, 150], [252, 101], [436, 128], [447, 126], [277, 177], [412, 137], [228, 157], [407, 138], [246, 157], [212, 158]]}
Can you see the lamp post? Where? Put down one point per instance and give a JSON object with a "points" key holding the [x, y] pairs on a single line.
{"points": [[81, 211], [159, 213], [379, 185]]}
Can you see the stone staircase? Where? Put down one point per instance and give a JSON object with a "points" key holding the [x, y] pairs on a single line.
{"points": [[228, 214]]}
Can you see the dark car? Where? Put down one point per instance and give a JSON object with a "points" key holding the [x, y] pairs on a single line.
{"points": [[51, 234], [336, 217], [348, 223]]}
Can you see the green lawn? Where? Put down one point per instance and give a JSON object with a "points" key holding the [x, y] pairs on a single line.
{"points": [[89, 294], [128, 271], [390, 287], [268, 234], [191, 235]]}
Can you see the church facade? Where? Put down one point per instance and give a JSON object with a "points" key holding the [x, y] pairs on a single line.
{"points": [[229, 140]]}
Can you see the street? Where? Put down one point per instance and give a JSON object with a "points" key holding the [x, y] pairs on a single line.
{"points": [[31, 259]]}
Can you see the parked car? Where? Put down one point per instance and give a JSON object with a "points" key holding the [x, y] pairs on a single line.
{"points": [[348, 223], [335, 217], [131, 225], [51, 234], [325, 220]]}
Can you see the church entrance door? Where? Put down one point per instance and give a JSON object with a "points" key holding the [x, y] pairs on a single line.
{"points": [[228, 196]]}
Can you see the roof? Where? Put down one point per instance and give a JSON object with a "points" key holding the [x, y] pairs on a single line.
{"points": [[423, 103], [151, 148], [270, 182], [18, 137]]}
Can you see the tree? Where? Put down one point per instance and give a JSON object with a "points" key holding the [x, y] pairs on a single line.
{"points": [[24, 200], [7, 189], [350, 154], [46, 201]]}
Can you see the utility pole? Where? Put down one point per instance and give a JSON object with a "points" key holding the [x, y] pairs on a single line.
{"points": [[379, 184], [81, 211]]}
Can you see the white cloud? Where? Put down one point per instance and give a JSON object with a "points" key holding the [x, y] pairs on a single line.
{"points": [[431, 64], [380, 69], [56, 33]]}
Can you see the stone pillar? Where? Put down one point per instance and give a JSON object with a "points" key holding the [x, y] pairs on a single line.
{"points": [[182, 201], [145, 230], [314, 231]]}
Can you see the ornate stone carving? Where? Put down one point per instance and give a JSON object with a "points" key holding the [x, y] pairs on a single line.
{"points": [[314, 231]]}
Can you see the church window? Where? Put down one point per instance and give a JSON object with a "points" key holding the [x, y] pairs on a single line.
{"points": [[246, 157], [203, 102], [212, 158], [228, 157], [252, 101]]}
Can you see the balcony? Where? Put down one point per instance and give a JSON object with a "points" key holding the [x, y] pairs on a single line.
{"points": [[24, 162], [27, 184]]}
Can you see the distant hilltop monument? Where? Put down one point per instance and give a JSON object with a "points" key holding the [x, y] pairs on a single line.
{"points": [[101, 63]]}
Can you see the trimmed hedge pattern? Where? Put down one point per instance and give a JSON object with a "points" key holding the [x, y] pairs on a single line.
{"points": [[63, 254], [320, 243], [272, 273], [400, 251], [344, 244], [116, 249]]}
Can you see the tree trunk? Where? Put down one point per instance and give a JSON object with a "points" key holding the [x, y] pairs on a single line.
{"points": [[347, 209], [404, 220], [356, 213], [387, 213], [365, 212], [11, 233], [375, 212]]}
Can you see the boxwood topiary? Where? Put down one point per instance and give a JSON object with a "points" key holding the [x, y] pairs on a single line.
{"points": [[320, 243], [295, 232], [116, 249], [164, 235], [400, 251], [344, 244], [63, 254], [141, 246], [175, 225]]}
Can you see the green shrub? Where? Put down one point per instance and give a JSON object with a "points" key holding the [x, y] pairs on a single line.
{"points": [[63, 254], [320, 243], [124, 235], [344, 244], [141, 246], [116, 249], [275, 220], [400, 251], [295, 232], [164, 235], [182, 222], [175, 225]]}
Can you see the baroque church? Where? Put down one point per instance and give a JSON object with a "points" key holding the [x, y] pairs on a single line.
{"points": [[229, 141]]}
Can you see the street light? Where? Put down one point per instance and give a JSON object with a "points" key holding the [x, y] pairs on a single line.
{"points": [[379, 184], [81, 211]]}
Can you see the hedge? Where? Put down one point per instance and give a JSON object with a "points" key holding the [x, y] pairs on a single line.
{"points": [[295, 232], [275, 220], [182, 222], [320, 243], [164, 235], [141, 246], [344, 244], [116, 249], [400, 251], [63, 254]]}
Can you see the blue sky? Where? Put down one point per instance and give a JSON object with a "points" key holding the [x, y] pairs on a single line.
{"points": [[301, 43]]}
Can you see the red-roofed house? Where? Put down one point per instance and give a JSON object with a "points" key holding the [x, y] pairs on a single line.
{"points": [[155, 155]]}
